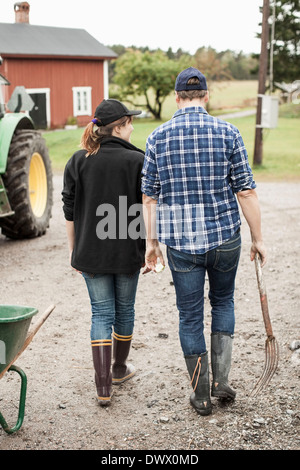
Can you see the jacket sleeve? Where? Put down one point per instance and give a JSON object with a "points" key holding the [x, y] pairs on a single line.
{"points": [[68, 192]]}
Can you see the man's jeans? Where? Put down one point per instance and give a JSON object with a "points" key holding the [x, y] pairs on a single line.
{"points": [[112, 299], [188, 273]]}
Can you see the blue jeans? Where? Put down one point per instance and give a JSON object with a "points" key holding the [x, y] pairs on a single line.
{"points": [[112, 298], [188, 272]]}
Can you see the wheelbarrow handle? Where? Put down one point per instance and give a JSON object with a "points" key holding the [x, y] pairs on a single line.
{"points": [[263, 297], [30, 336], [11, 429]]}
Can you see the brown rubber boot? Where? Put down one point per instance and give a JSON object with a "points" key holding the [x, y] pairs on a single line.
{"points": [[101, 350], [121, 371]]}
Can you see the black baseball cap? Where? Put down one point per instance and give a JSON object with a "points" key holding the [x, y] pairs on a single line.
{"points": [[111, 110], [184, 77]]}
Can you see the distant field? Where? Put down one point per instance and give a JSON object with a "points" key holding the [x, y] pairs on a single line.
{"points": [[233, 94], [281, 156], [224, 96]]}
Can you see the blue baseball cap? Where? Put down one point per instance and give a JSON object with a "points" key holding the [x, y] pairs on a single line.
{"points": [[185, 75]]}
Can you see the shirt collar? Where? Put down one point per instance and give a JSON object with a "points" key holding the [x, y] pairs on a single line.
{"points": [[189, 110]]}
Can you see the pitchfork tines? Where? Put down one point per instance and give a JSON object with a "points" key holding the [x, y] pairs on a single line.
{"points": [[271, 345]]}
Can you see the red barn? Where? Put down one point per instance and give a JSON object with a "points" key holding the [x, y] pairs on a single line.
{"points": [[64, 70]]}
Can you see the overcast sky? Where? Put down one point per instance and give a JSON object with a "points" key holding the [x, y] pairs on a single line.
{"points": [[185, 24]]}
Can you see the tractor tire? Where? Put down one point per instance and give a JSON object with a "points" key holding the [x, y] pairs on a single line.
{"points": [[29, 186]]}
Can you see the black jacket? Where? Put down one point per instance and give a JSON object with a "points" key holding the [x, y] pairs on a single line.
{"points": [[98, 191]]}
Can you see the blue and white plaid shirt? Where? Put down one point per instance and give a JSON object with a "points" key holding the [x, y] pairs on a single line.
{"points": [[194, 165]]}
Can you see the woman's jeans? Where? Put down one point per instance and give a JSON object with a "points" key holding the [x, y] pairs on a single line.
{"points": [[112, 299], [188, 273]]}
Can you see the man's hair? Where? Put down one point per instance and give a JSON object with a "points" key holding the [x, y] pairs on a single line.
{"points": [[191, 94]]}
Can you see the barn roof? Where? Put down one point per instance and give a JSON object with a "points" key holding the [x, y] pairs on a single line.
{"points": [[31, 40]]}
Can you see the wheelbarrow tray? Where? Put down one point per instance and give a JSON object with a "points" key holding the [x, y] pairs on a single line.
{"points": [[14, 326]]}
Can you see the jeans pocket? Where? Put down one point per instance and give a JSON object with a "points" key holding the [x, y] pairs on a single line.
{"points": [[179, 261], [227, 257]]}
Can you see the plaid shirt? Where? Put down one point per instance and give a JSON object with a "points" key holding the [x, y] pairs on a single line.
{"points": [[194, 165]]}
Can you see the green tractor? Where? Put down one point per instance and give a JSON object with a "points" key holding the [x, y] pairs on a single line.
{"points": [[26, 186]]}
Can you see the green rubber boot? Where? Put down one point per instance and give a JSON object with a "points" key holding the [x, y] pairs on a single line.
{"points": [[221, 351], [198, 369]]}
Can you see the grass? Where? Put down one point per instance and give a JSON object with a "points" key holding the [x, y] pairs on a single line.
{"points": [[281, 155], [62, 144]]}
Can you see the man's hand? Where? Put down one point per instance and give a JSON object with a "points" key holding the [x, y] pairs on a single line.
{"points": [[259, 248]]}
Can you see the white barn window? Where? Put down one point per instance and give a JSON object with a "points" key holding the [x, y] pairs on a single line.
{"points": [[82, 101]]}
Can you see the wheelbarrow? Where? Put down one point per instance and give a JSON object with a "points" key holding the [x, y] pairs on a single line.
{"points": [[15, 336]]}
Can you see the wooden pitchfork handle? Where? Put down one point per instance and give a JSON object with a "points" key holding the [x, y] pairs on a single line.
{"points": [[263, 298], [30, 336]]}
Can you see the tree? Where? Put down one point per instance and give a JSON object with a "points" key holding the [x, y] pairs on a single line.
{"points": [[208, 61], [240, 65], [286, 41], [286, 58], [149, 74]]}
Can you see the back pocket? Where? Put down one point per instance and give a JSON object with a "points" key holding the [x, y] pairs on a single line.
{"points": [[227, 256], [180, 261]]}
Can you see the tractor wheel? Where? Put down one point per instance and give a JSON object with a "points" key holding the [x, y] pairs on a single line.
{"points": [[29, 186]]}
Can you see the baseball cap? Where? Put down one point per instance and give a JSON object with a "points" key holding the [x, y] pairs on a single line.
{"points": [[185, 75], [111, 110]]}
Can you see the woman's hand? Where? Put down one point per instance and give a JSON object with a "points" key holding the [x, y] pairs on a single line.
{"points": [[153, 252], [70, 259]]}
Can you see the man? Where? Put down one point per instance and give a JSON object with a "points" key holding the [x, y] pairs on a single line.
{"points": [[195, 166]]}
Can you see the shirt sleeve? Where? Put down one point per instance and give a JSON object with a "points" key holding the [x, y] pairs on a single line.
{"points": [[68, 192], [241, 173], [150, 180]]}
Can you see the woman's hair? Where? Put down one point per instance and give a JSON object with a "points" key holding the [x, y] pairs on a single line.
{"points": [[191, 94], [93, 134]]}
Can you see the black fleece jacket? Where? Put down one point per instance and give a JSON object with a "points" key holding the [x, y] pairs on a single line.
{"points": [[98, 191]]}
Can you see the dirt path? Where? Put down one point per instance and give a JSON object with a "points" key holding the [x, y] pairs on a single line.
{"points": [[152, 411]]}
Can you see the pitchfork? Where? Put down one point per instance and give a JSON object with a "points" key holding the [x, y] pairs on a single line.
{"points": [[271, 346]]}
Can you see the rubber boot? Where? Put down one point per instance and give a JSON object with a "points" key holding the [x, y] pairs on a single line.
{"points": [[221, 351], [101, 351], [198, 369], [121, 371]]}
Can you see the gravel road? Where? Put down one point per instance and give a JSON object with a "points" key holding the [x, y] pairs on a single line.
{"points": [[152, 411]]}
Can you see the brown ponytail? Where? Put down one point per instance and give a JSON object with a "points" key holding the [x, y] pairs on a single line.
{"points": [[93, 135]]}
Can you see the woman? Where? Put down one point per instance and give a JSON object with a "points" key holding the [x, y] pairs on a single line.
{"points": [[101, 183]]}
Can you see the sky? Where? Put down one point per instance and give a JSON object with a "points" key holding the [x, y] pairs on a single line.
{"points": [[185, 24]]}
